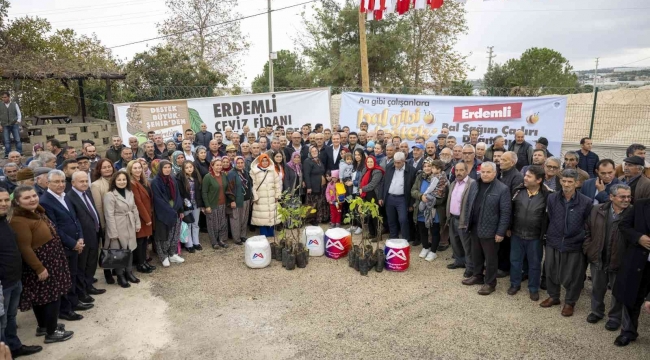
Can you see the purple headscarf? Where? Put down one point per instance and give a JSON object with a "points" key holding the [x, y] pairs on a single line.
{"points": [[295, 167]]}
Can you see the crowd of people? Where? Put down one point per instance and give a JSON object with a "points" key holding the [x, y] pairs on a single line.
{"points": [[507, 210]]}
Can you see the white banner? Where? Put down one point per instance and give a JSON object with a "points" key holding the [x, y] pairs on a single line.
{"points": [[410, 116], [289, 109]]}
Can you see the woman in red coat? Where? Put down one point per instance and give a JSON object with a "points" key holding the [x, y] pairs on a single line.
{"points": [[142, 196]]}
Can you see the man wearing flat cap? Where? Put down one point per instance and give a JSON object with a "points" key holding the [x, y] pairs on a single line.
{"points": [[633, 170], [25, 176], [542, 143], [40, 177]]}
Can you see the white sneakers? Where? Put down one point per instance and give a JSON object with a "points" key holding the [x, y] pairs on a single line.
{"points": [[354, 230], [357, 231], [176, 259], [431, 256], [424, 252], [166, 262]]}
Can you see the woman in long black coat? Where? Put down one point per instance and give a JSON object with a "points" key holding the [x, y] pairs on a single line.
{"points": [[314, 178]]}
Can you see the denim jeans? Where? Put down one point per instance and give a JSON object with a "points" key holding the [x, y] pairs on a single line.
{"points": [[12, 298], [532, 250], [15, 131]]}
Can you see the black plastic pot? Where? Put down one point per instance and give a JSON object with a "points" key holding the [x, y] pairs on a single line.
{"points": [[381, 258], [351, 256], [306, 252], [356, 261], [285, 256], [363, 265], [291, 262], [300, 260], [273, 253]]}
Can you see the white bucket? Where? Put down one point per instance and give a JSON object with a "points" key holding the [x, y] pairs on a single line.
{"points": [[257, 252], [313, 239]]}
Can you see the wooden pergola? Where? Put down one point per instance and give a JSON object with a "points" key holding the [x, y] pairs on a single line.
{"points": [[16, 77]]}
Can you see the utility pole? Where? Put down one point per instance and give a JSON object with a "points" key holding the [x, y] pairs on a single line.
{"points": [[365, 82], [490, 56], [595, 75], [270, 50]]}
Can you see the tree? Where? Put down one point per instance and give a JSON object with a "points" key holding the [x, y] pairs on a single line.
{"points": [[414, 50], [289, 72], [538, 70], [433, 62], [30, 50], [151, 73], [206, 30]]}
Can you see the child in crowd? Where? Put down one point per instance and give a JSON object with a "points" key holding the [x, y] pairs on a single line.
{"points": [[429, 186], [370, 148], [333, 200], [346, 168]]}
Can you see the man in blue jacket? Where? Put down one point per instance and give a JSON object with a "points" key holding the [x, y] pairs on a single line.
{"points": [[565, 262], [597, 189], [60, 211], [587, 159]]}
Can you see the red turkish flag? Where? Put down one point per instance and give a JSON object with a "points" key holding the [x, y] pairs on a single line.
{"points": [[435, 4]]}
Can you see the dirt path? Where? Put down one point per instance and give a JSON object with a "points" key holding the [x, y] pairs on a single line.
{"points": [[214, 307]]}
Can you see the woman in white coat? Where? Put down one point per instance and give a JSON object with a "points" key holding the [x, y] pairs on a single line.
{"points": [[267, 190], [122, 222]]}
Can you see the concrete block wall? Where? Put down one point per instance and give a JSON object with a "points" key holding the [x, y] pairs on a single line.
{"points": [[99, 131]]}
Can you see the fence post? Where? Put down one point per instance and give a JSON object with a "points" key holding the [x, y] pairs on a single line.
{"points": [[593, 113]]}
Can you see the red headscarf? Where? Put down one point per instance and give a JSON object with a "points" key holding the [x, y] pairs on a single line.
{"points": [[368, 175]]}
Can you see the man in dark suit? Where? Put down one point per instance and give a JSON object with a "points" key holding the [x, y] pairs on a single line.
{"points": [[334, 153], [633, 281], [84, 207], [296, 146], [395, 195], [59, 210], [489, 219]]}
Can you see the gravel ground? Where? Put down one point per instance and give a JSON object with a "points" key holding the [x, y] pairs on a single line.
{"points": [[214, 307]]}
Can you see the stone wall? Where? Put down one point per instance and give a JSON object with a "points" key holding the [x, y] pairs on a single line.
{"points": [[99, 131]]}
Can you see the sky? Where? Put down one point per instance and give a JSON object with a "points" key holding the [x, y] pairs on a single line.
{"points": [[615, 31]]}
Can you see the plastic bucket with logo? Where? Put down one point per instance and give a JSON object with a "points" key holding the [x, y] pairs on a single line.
{"points": [[257, 252], [337, 243], [398, 254], [313, 239]]}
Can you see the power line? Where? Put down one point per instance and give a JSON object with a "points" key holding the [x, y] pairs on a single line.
{"points": [[633, 62], [556, 10], [217, 24]]}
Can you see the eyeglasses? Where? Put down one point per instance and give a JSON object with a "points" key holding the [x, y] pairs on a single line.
{"points": [[468, 152], [552, 167], [624, 196]]}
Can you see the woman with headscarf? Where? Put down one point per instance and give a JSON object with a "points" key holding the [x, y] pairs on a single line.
{"points": [[200, 161], [266, 190], [178, 139], [293, 176], [171, 147], [314, 178], [178, 158], [168, 206], [371, 178], [214, 200], [238, 197]]}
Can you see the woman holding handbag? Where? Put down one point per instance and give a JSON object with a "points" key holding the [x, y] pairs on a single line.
{"points": [[314, 178], [46, 275], [189, 183], [101, 182], [267, 190], [169, 212], [214, 199], [122, 223], [371, 180], [142, 196]]}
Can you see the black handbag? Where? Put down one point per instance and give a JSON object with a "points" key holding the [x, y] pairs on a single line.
{"points": [[114, 258], [189, 218]]}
